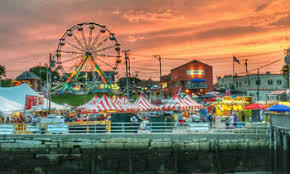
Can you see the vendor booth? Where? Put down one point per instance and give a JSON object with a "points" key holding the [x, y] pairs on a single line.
{"points": [[229, 104]]}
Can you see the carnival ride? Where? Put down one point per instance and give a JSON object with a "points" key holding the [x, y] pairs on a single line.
{"points": [[80, 51]]}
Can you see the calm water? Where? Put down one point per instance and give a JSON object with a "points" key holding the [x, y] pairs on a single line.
{"points": [[124, 161]]}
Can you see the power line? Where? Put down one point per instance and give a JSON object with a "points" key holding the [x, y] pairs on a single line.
{"points": [[262, 66]]}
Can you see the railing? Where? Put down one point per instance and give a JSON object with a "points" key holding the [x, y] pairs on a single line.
{"points": [[134, 127], [280, 120]]}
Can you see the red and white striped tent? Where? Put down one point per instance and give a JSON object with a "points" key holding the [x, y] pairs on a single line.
{"points": [[193, 104], [142, 104], [117, 100], [104, 104], [90, 104], [107, 104], [122, 101], [176, 103]]}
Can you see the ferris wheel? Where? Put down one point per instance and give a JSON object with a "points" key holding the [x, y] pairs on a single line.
{"points": [[83, 49]]}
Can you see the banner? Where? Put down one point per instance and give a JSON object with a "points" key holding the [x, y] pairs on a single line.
{"points": [[34, 100], [40, 100], [28, 102]]}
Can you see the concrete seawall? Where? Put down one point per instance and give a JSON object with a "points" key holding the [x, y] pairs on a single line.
{"points": [[178, 142]]}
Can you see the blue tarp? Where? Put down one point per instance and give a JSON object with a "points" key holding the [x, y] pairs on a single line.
{"points": [[279, 108], [197, 80]]}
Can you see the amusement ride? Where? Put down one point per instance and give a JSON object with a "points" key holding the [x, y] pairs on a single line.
{"points": [[80, 51]]}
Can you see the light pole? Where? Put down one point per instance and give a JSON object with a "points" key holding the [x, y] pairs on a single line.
{"points": [[158, 57], [50, 65], [127, 79]]}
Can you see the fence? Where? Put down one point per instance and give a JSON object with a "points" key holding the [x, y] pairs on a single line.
{"points": [[133, 127]]}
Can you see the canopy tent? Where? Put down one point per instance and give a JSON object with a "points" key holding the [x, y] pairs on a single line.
{"points": [[107, 104], [155, 87], [104, 104], [18, 94], [191, 103], [279, 108], [117, 100], [54, 106], [90, 104], [255, 106], [142, 104], [9, 107], [176, 103], [122, 101]]}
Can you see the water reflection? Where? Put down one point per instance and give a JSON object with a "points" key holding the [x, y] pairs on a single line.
{"points": [[140, 161]]}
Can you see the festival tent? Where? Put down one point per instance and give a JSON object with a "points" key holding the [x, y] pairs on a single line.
{"points": [[90, 104], [9, 107], [142, 104], [122, 101], [106, 104], [255, 106], [18, 94], [191, 103], [176, 103], [279, 108], [117, 100]]}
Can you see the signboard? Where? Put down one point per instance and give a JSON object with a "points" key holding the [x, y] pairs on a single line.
{"points": [[34, 100], [195, 72], [40, 100], [28, 102]]}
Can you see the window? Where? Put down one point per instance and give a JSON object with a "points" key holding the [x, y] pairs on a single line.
{"points": [[240, 84], [270, 82], [249, 82], [279, 82], [258, 82]]}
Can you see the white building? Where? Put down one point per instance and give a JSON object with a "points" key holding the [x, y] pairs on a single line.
{"points": [[255, 84]]}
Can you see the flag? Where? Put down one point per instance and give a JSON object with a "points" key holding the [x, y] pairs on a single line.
{"points": [[236, 60]]}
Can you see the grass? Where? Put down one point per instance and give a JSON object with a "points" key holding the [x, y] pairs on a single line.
{"points": [[74, 100]]}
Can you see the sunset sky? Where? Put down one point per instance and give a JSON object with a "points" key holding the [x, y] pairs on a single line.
{"points": [[178, 30]]}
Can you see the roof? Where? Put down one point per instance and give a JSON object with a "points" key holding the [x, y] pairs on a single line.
{"points": [[193, 61], [27, 76]]}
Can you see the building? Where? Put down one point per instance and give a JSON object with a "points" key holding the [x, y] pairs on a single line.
{"points": [[33, 80], [254, 84], [192, 77]]}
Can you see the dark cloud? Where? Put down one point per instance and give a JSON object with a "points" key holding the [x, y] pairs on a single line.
{"points": [[284, 21], [263, 6]]}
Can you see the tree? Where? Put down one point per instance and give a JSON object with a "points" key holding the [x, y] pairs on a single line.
{"points": [[41, 71], [7, 83], [122, 81], [285, 71], [2, 72]]}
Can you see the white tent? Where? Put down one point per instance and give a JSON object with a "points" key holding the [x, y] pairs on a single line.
{"points": [[18, 94], [9, 107]]}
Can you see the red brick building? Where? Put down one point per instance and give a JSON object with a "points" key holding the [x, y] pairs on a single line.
{"points": [[191, 77]]}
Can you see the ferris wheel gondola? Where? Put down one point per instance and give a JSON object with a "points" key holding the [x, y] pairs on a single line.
{"points": [[85, 47]]}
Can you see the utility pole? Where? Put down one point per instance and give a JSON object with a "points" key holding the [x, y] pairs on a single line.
{"points": [[158, 57], [258, 85], [127, 79], [287, 61], [246, 63]]}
